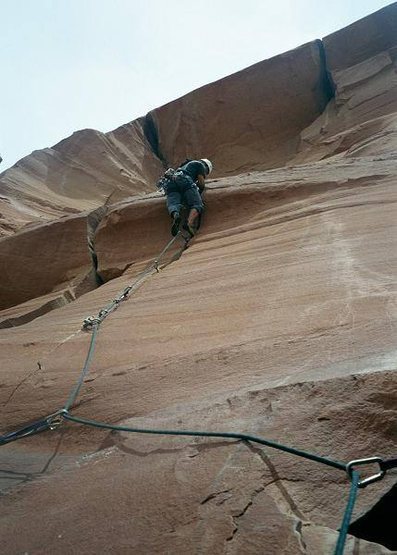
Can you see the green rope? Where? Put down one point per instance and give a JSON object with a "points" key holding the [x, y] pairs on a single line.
{"points": [[75, 391], [165, 249], [340, 546], [229, 435], [41, 425], [151, 268]]}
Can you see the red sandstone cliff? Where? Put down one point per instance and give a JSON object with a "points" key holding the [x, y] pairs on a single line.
{"points": [[279, 320]]}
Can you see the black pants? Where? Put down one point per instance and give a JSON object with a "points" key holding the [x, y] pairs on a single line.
{"points": [[183, 192]]}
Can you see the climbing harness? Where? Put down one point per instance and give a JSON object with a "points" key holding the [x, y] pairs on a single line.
{"points": [[92, 324], [172, 175], [169, 176]]}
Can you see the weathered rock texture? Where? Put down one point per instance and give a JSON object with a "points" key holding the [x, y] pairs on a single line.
{"points": [[251, 119], [361, 63], [49, 256], [279, 320], [87, 170]]}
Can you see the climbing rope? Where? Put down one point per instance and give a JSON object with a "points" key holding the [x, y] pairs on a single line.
{"points": [[49, 422], [75, 391], [227, 435], [92, 323], [152, 268], [347, 516]]}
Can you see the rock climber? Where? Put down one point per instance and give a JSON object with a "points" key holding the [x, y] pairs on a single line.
{"points": [[184, 187]]}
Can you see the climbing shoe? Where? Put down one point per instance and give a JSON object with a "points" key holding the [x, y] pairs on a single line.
{"points": [[175, 224], [190, 229]]}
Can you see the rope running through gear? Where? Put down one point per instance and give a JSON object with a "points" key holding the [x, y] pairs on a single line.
{"points": [[93, 323], [347, 516]]}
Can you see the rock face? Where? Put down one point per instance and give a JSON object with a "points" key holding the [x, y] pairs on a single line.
{"points": [[34, 262], [251, 119], [279, 320], [361, 63], [83, 172], [236, 122]]}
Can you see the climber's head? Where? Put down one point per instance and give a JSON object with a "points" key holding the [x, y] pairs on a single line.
{"points": [[207, 164]]}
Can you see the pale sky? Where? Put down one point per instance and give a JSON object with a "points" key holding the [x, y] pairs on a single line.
{"points": [[72, 64]]}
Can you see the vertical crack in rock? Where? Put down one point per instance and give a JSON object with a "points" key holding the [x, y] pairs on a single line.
{"points": [[298, 517], [326, 80], [235, 518], [276, 480], [152, 136], [93, 221]]}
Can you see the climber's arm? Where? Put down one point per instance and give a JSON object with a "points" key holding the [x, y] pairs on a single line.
{"points": [[200, 182]]}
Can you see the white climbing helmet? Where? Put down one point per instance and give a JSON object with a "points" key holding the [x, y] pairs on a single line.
{"points": [[208, 163]]}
